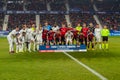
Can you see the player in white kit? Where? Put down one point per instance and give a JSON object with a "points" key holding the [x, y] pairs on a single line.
{"points": [[11, 39], [55, 28], [20, 41], [38, 37], [98, 35], [69, 37], [29, 39], [23, 31]]}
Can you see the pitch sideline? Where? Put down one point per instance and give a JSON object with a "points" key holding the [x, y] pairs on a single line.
{"points": [[87, 67]]}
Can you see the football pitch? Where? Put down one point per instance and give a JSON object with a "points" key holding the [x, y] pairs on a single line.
{"points": [[58, 66]]}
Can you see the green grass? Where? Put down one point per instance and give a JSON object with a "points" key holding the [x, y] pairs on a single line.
{"points": [[57, 66]]}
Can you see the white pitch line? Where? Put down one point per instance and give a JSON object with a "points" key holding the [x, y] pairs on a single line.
{"points": [[87, 67]]}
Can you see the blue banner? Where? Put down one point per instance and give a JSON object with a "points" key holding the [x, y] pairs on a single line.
{"points": [[62, 48], [115, 33], [4, 33]]}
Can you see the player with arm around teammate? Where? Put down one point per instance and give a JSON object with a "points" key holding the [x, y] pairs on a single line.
{"points": [[20, 41], [11, 39]]}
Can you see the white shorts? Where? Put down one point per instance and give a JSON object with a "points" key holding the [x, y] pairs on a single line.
{"points": [[68, 40], [98, 39], [39, 40]]}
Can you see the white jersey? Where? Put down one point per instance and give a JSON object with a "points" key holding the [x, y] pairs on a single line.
{"points": [[39, 33], [28, 35], [55, 28], [12, 33], [97, 32], [22, 30], [69, 35]]}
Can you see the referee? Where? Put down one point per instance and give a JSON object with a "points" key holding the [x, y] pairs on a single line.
{"points": [[105, 33]]}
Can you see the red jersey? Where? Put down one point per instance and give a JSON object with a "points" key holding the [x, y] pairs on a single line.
{"points": [[44, 34], [85, 31], [70, 29], [75, 33], [63, 30], [57, 36], [50, 35]]}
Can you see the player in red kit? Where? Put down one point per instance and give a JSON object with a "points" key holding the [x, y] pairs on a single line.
{"points": [[85, 32], [57, 37], [63, 30], [44, 36], [91, 40], [75, 33], [80, 39], [50, 37]]}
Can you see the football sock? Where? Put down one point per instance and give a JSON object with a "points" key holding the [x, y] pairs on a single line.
{"points": [[99, 46], [106, 45], [103, 45]]}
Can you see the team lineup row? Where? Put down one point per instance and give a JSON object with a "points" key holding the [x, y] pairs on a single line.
{"points": [[30, 38]]}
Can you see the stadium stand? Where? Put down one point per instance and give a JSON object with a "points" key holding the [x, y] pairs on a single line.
{"points": [[53, 19], [1, 20], [111, 20], [108, 5], [80, 5], [19, 19], [15, 6], [37, 5], [79, 12], [81, 18], [1, 4], [58, 5]]}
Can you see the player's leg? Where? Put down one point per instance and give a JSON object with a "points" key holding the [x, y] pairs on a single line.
{"points": [[88, 45], [34, 45], [85, 41], [20, 48], [9, 42], [17, 48], [106, 43], [29, 46], [67, 41], [63, 40], [103, 42], [11, 45], [26, 46], [23, 47], [93, 44], [71, 41], [81, 41], [99, 42]]}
